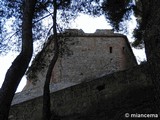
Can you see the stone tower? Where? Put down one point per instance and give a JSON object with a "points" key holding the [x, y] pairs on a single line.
{"points": [[84, 56]]}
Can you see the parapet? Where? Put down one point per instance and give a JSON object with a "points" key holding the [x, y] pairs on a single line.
{"points": [[104, 32], [74, 31], [98, 32]]}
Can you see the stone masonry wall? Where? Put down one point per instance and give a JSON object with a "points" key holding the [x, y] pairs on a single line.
{"points": [[105, 98], [85, 57], [92, 57]]}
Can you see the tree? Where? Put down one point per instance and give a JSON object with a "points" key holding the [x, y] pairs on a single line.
{"points": [[117, 11], [148, 32], [27, 23], [151, 37], [20, 64], [46, 90]]}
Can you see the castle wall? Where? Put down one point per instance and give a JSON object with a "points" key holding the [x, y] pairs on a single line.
{"points": [[85, 57], [108, 97], [92, 57]]}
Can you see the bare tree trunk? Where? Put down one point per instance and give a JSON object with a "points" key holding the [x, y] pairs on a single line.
{"points": [[46, 91], [152, 44], [20, 64]]}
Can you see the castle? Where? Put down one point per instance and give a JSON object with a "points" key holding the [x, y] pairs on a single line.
{"points": [[96, 78], [84, 56]]}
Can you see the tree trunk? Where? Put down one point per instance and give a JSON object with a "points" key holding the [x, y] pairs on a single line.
{"points": [[20, 64], [46, 90], [152, 45]]}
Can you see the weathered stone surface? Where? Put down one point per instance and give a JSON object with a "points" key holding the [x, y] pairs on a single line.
{"points": [[85, 57], [84, 85], [105, 98]]}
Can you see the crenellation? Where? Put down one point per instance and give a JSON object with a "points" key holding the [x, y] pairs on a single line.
{"points": [[73, 32], [104, 32]]}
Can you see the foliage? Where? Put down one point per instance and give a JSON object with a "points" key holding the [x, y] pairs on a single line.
{"points": [[117, 11], [12, 11], [141, 12]]}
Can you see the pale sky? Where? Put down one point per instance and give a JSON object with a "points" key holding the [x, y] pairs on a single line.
{"points": [[85, 22]]}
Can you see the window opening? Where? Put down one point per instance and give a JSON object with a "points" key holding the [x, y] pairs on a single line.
{"points": [[110, 49]]}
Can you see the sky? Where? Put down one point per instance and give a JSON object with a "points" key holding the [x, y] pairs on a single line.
{"points": [[89, 25]]}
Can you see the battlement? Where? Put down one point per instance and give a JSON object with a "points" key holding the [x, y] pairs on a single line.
{"points": [[97, 32], [104, 32], [74, 31]]}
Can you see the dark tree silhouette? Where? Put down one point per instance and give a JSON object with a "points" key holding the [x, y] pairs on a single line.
{"points": [[26, 21], [46, 90], [148, 32], [20, 64], [151, 37]]}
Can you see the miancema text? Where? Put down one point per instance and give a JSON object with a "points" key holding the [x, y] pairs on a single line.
{"points": [[144, 115]]}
